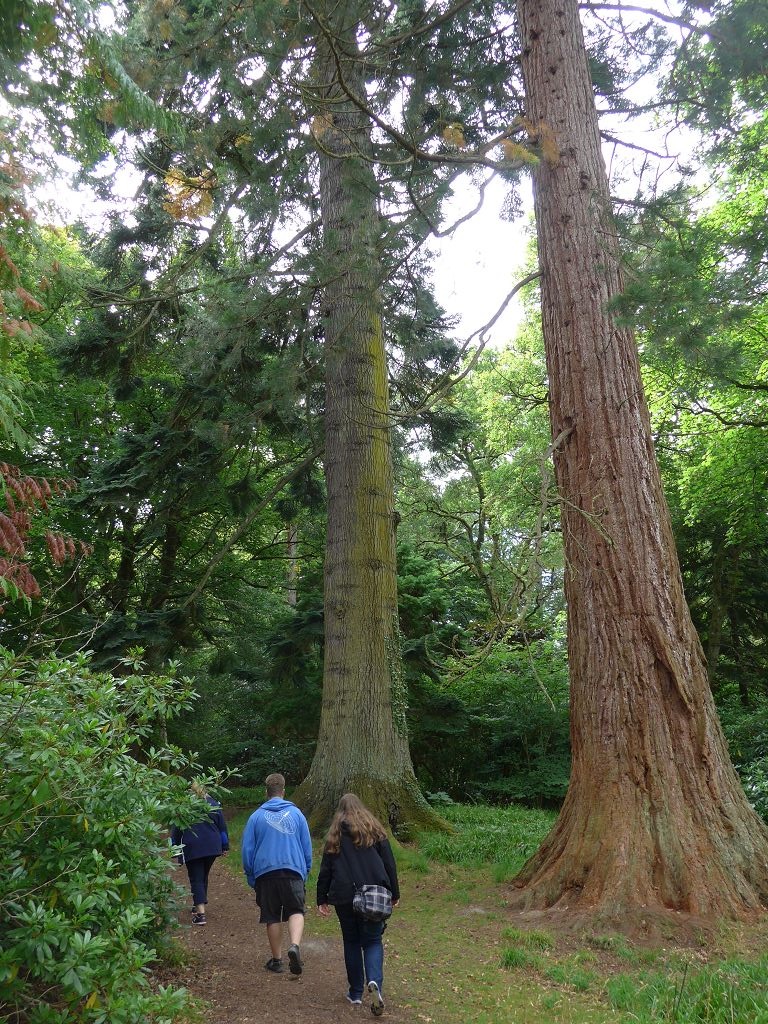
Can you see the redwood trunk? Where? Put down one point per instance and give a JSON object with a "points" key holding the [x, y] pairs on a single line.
{"points": [[655, 818], [362, 743]]}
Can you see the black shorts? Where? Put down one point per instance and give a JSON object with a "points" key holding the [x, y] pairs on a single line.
{"points": [[279, 896]]}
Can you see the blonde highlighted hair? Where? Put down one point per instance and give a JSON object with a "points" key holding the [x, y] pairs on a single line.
{"points": [[364, 828]]}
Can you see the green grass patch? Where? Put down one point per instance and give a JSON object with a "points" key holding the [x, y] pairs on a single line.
{"points": [[410, 858], [528, 939], [585, 956], [573, 976], [615, 944], [733, 991], [513, 957], [501, 836], [244, 796]]}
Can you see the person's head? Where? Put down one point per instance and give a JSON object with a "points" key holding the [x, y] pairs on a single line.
{"points": [[198, 788], [275, 784], [363, 826]]}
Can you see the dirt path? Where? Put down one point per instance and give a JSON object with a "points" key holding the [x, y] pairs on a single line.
{"points": [[227, 966]]}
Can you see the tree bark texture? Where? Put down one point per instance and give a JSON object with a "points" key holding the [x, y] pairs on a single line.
{"points": [[362, 743], [655, 818], [293, 564]]}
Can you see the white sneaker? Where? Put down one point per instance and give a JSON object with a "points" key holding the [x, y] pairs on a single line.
{"points": [[354, 1002], [377, 1003]]}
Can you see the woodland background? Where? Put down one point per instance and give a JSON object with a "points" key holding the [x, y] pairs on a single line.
{"points": [[164, 389]]}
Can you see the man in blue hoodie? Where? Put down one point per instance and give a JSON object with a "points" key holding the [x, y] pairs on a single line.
{"points": [[277, 857]]}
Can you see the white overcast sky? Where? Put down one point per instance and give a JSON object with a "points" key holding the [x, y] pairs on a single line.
{"points": [[478, 264]]}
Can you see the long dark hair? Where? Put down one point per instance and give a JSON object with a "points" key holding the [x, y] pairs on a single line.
{"points": [[364, 828]]}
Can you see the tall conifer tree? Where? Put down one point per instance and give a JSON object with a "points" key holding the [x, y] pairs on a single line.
{"points": [[362, 744], [655, 819]]}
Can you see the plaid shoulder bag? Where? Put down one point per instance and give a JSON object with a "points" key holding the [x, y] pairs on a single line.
{"points": [[371, 902]]}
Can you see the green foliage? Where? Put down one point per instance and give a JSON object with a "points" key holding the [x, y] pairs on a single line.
{"points": [[747, 736], [487, 835], [498, 730], [754, 778], [87, 797], [730, 992]]}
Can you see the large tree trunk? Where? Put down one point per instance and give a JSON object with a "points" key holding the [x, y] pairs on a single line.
{"points": [[362, 744], [655, 819], [293, 564]]}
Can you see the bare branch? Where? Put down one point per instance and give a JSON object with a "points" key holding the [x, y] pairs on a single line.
{"points": [[446, 382], [669, 19]]}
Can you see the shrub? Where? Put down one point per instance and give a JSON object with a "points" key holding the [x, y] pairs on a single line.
{"points": [[498, 731], [748, 744], [85, 891], [754, 777]]}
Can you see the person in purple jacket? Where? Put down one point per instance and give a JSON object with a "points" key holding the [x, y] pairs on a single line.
{"points": [[201, 844]]}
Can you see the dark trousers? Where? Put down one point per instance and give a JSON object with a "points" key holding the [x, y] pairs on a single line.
{"points": [[363, 949], [198, 871]]}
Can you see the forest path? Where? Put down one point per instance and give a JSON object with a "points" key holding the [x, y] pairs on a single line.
{"points": [[226, 967]]}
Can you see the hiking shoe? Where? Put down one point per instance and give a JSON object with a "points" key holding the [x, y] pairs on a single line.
{"points": [[354, 1002], [295, 966], [198, 918], [274, 965], [377, 1003]]}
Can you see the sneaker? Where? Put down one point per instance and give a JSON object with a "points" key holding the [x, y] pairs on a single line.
{"points": [[295, 965], [354, 1002], [198, 918], [274, 965], [377, 1003]]}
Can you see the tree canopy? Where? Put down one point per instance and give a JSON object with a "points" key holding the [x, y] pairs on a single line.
{"points": [[272, 458]]}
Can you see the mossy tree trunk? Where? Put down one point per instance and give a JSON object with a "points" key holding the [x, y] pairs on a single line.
{"points": [[362, 743], [655, 819]]}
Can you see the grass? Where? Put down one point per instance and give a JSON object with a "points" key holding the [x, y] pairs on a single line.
{"points": [[502, 837], [513, 956], [454, 955], [729, 991], [530, 939], [245, 796]]}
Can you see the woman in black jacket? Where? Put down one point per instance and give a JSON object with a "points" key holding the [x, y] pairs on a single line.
{"points": [[202, 843], [357, 852]]}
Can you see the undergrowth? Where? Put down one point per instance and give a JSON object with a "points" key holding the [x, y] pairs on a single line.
{"points": [[503, 837], [732, 991]]}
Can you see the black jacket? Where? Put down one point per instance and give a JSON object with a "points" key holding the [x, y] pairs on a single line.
{"points": [[361, 865]]}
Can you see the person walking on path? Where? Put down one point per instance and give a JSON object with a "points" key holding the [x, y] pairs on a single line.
{"points": [[201, 844], [357, 852], [277, 857]]}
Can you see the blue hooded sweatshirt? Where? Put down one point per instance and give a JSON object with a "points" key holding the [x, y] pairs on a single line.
{"points": [[276, 837]]}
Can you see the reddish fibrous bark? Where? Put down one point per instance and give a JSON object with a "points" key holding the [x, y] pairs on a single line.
{"points": [[655, 818]]}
